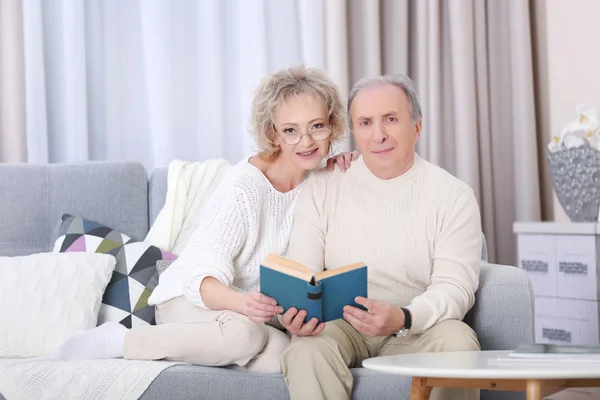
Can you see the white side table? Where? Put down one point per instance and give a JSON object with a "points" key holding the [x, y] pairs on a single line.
{"points": [[476, 370], [562, 261]]}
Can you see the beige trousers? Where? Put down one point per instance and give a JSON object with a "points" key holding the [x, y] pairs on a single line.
{"points": [[317, 367], [190, 334]]}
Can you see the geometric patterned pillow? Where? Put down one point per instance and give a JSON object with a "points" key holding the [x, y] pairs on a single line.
{"points": [[135, 276]]}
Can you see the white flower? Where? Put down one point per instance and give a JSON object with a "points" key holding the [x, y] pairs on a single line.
{"points": [[587, 124], [592, 136], [572, 135], [586, 115], [571, 141], [555, 144], [583, 131]]}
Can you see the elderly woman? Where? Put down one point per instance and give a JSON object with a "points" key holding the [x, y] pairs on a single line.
{"points": [[208, 307]]}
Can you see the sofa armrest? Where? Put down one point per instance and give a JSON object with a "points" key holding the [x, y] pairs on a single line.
{"points": [[503, 314]]}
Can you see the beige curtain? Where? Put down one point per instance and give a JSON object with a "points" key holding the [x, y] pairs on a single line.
{"points": [[471, 60], [472, 63], [13, 141]]}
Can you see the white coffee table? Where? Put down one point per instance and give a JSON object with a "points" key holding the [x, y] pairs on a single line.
{"points": [[473, 369]]}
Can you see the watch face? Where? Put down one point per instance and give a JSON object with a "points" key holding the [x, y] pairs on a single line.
{"points": [[401, 333]]}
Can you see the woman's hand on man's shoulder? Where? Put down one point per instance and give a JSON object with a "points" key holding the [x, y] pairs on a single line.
{"points": [[342, 160]]}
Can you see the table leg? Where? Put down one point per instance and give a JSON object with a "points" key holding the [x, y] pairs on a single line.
{"points": [[534, 390], [419, 389], [538, 389]]}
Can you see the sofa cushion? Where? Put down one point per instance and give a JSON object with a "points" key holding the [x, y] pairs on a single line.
{"points": [[157, 192], [46, 297], [135, 276], [199, 383]]}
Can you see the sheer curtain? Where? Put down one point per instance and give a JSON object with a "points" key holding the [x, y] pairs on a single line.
{"points": [[12, 94], [153, 80], [150, 81]]}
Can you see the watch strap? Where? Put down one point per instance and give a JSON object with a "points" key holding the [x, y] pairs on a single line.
{"points": [[407, 318]]}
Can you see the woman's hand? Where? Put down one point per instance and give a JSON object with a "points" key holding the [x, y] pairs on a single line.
{"points": [[261, 308], [343, 160]]}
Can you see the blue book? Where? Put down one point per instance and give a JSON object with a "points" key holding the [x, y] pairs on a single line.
{"points": [[322, 295]]}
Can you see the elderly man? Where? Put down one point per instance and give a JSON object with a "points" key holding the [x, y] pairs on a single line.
{"points": [[417, 228]]}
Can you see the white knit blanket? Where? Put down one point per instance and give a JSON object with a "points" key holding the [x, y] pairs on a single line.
{"points": [[113, 379], [189, 185]]}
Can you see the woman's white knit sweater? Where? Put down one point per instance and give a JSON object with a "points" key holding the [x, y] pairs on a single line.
{"points": [[245, 219]]}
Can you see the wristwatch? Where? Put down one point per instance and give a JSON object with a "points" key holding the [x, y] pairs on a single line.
{"points": [[407, 324]]}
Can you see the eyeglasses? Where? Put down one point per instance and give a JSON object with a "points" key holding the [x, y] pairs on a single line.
{"points": [[315, 134]]}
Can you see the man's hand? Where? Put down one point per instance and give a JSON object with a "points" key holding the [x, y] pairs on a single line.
{"points": [[261, 308], [381, 319], [293, 321]]}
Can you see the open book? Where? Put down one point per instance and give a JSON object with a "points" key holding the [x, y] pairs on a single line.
{"points": [[322, 295]]}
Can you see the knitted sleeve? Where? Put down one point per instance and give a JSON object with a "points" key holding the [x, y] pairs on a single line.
{"points": [[216, 242]]}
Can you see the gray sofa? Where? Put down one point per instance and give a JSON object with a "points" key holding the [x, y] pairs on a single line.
{"points": [[120, 195]]}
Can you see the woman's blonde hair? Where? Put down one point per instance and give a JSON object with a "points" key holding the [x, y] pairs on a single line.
{"points": [[283, 84]]}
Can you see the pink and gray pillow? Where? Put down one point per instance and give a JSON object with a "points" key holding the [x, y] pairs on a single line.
{"points": [[135, 276]]}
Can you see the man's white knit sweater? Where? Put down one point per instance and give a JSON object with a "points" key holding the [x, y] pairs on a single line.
{"points": [[419, 234], [245, 219]]}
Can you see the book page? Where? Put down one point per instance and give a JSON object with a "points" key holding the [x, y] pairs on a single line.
{"points": [[337, 271], [288, 267]]}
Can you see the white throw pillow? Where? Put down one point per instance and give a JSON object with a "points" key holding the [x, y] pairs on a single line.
{"points": [[46, 297]]}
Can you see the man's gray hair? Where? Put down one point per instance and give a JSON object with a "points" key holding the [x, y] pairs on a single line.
{"points": [[402, 81]]}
